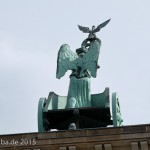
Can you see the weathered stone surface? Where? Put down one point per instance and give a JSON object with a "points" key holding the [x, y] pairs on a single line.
{"points": [[124, 138]]}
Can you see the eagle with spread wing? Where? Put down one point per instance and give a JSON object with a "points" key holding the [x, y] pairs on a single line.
{"points": [[92, 32], [81, 63]]}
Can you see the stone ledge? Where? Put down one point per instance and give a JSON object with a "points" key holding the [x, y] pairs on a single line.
{"points": [[109, 138]]}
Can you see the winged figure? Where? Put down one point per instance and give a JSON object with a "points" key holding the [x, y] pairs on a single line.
{"points": [[92, 32], [83, 64]]}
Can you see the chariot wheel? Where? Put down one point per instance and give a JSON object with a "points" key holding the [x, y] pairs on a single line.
{"points": [[116, 113], [41, 118]]}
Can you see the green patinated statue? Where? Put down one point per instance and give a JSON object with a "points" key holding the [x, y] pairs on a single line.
{"points": [[84, 64], [79, 109], [92, 32]]}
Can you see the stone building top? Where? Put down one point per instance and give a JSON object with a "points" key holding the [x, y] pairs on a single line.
{"points": [[135, 137]]}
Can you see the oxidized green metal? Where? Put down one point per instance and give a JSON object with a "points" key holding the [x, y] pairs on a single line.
{"points": [[41, 126], [79, 108], [56, 116], [83, 66], [117, 120], [94, 30]]}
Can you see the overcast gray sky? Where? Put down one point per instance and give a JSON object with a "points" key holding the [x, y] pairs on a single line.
{"points": [[31, 33]]}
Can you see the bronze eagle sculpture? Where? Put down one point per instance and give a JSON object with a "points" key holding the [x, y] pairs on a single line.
{"points": [[92, 31]]}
